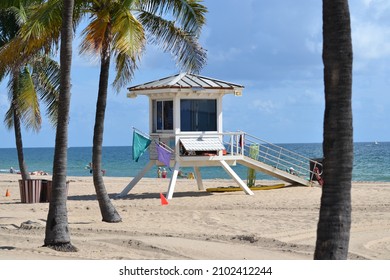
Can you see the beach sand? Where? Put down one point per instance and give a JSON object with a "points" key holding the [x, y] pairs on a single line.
{"points": [[278, 224]]}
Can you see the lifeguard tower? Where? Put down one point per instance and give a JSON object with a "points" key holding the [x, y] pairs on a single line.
{"points": [[185, 118]]}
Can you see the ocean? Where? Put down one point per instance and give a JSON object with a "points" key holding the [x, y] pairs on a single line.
{"points": [[371, 161]]}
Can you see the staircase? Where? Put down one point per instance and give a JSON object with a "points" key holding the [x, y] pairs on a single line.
{"points": [[273, 160]]}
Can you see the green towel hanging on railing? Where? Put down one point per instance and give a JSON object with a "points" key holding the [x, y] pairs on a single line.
{"points": [[140, 144]]}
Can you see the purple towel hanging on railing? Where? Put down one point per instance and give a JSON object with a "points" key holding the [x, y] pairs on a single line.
{"points": [[164, 155]]}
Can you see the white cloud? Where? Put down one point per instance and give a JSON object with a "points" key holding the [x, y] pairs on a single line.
{"points": [[370, 29], [379, 8], [264, 106], [370, 40], [225, 55], [313, 46]]}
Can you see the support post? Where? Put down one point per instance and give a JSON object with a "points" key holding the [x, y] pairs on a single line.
{"points": [[198, 177], [172, 183], [235, 177], [136, 179]]}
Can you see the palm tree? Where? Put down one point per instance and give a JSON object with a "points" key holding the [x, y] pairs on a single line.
{"points": [[57, 231], [32, 79], [8, 30], [334, 224], [117, 29]]}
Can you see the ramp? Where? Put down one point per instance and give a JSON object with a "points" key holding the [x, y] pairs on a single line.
{"points": [[273, 160], [273, 171]]}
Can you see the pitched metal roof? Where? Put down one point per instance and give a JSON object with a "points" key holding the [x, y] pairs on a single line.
{"points": [[186, 80]]}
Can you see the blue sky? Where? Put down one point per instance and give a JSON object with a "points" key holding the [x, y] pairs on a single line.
{"points": [[274, 49]]}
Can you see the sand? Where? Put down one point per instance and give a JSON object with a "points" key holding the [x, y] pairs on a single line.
{"points": [[278, 224]]}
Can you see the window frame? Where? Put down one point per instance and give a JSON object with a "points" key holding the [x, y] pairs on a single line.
{"points": [[156, 115]]}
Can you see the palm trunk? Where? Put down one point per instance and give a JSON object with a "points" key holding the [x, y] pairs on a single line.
{"points": [[18, 131], [107, 209], [57, 230], [19, 147], [334, 224]]}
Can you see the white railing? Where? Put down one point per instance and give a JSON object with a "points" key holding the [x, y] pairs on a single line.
{"points": [[241, 143]]}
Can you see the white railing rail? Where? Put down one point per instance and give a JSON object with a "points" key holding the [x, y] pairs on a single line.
{"points": [[240, 143]]}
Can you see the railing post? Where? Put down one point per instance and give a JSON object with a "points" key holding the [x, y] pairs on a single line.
{"points": [[277, 163], [237, 141], [242, 143], [232, 144]]}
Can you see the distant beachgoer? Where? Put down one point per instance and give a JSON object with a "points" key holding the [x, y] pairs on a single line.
{"points": [[164, 173], [39, 172], [90, 167], [181, 174], [292, 171], [159, 172], [12, 170]]}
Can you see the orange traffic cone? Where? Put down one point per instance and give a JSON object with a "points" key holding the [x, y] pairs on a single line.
{"points": [[164, 201], [7, 193]]}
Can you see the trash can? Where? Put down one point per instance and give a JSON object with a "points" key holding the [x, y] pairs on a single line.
{"points": [[30, 190], [47, 189], [313, 165]]}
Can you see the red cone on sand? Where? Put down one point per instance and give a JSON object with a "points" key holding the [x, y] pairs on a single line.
{"points": [[7, 193], [164, 201]]}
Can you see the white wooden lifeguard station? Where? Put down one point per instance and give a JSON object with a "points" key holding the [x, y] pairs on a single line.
{"points": [[185, 116]]}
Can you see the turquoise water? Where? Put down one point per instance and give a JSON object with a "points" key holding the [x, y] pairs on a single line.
{"points": [[371, 161]]}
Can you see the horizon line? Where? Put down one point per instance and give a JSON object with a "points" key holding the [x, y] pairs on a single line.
{"points": [[112, 146]]}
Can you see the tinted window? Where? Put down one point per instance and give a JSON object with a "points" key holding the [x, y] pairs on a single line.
{"points": [[198, 115]]}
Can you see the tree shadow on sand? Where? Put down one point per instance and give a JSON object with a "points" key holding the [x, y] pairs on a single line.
{"points": [[131, 196]]}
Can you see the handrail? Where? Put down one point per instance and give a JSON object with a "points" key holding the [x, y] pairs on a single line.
{"points": [[271, 154]]}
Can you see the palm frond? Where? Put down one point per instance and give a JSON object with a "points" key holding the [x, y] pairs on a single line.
{"points": [[9, 118], [128, 44], [128, 33], [4, 4], [8, 26], [46, 78], [10, 55], [183, 46], [23, 100], [189, 14], [28, 102], [125, 67], [8, 30], [3, 74], [33, 76], [95, 34], [42, 29]]}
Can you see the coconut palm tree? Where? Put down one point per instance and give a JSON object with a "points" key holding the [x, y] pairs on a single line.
{"points": [[28, 85], [8, 30], [32, 79], [57, 230], [119, 30], [334, 224], [30, 40]]}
